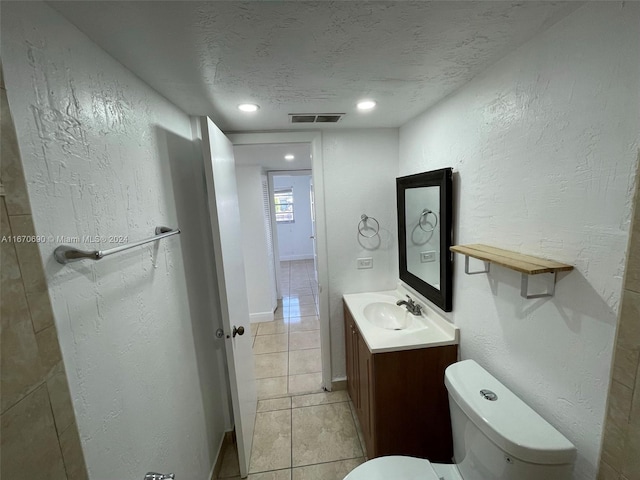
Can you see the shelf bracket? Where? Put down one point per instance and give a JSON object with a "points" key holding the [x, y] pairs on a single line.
{"points": [[487, 267], [551, 286]]}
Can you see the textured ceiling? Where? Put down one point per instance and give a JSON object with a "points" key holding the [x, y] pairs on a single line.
{"points": [[302, 57]]}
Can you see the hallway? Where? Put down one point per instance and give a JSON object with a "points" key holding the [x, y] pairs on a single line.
{"points": [[301, 432], [287, 350]]}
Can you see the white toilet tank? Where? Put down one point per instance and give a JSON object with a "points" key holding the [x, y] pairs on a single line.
{"points": [[496, 435]]}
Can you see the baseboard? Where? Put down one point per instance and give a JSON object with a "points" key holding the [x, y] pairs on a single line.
{"points": [[290, 258], [228, 440], [338, 385], [261, 317]]}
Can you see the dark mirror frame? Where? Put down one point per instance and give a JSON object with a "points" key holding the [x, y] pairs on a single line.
{"points": [[442, 178]]}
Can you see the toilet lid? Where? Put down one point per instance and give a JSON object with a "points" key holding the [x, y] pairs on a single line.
{"points": [[394, 467]]}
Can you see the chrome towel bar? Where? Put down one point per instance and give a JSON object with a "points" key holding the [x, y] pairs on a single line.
{"points": [[65, 254]]}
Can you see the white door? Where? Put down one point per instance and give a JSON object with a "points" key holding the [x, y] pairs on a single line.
{"points": [[220, 175]]}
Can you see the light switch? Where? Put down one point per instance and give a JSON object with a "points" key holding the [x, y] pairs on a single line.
{"points": [[426, 257], [366, 262]]}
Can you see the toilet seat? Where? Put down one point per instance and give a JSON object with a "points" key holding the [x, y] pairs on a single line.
{"points": [[394, 467]]}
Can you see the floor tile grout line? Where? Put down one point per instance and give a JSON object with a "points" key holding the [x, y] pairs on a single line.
{"points": [[289, 382], [358, 428], [323, 463], [269, 335], [300, 406], [323, 404], [291, 437], [302, 394], [276, 351], [304, 466]]}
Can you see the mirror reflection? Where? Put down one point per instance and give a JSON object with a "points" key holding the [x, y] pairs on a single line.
{"points": [[422, 210]]}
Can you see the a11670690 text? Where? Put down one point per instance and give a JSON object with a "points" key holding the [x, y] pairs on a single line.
{"points": [[99, 239]]}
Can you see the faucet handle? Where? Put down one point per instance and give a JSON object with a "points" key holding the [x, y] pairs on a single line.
{"points": [[410, 300]]}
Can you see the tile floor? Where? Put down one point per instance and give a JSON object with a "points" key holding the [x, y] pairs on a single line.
{"points": [[301, 433], [287, 350], [301, 437]]}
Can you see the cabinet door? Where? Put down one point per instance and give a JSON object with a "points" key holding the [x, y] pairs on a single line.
{"points": [[351, 349], [365, 366]]}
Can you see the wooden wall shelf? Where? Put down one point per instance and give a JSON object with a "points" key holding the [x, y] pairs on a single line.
{"points": [[525, 264]]}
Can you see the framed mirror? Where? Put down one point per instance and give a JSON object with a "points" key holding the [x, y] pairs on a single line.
{"points": [[425, 205]]}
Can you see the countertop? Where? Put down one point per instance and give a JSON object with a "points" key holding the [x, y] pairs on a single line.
{"points": [[427, 330]]}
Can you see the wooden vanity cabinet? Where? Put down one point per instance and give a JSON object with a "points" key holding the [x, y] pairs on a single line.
{"points": [[400, 397]]}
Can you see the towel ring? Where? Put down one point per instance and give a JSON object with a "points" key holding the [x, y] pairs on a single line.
{"points": [[362, 225], [425, 213]]}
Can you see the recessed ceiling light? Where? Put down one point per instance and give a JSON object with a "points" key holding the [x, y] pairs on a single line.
{"points": [[289, 157], [366, 105], [248, 107]]}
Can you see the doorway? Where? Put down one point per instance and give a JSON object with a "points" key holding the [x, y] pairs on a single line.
{"points": [[296, 325], [313, 141], [293, 220]]}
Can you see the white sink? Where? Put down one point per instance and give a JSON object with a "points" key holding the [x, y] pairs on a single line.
{"points": [[387, 315], [387, 327]]}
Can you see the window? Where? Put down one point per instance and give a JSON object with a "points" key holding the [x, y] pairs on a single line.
{"points": [[283, 199]]}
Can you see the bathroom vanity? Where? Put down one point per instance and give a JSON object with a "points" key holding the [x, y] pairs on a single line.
{"points": [[395, 376]]}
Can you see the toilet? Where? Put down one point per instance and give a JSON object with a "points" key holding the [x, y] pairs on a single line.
{"points": [[496, 436]]}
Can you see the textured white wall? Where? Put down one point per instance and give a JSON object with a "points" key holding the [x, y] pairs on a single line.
{"points": [[106, 155], [254, 241], [360, 167], [545, 144], [294, 239]]}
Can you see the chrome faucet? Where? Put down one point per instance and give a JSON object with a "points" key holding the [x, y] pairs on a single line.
{"points": [[412, 307], [159, 476]]}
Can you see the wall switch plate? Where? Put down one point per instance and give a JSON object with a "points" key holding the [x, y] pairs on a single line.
{"points": [[426, 257], [366, 262]]}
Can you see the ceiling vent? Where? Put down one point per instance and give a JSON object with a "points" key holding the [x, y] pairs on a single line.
{"points": [[315, 117]]}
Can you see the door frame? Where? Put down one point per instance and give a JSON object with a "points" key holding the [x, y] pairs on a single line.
{"points": [[317, 173]]}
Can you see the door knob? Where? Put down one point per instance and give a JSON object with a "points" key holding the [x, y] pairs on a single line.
{"points": [[238, 331]]}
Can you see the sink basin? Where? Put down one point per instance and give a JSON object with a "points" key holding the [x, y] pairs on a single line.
{"points": [[387, 315], [387, 327]]}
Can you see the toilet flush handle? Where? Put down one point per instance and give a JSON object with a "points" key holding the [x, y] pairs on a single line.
{"points": [[488, 395]]}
